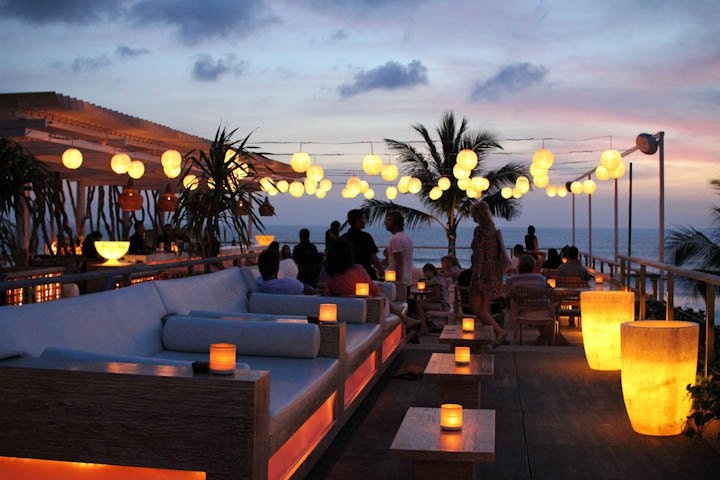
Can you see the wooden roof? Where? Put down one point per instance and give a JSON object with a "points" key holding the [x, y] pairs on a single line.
{"points": [[47, 123]]}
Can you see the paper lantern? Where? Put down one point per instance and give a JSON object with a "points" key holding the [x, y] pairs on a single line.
{"points": [[172, 172], [300, 162], [463, 183], [167, 201], [364, 186], [602, 314], [444, 183], [403, 184], [576, 187], [230, 155], [421, 285], [325, 185], [460, 173], [190, 181], [136, 170], [462, 355], [537, 171], [112, 251], [414, 185], [467, 159], [468, 324], [353, 185], [658, 361], [130, 199], [170, 159], [522, 184], [541, 182], [543, 158], [506, 193], [551, 191], [72, 158], [602, 173], [435, 193], [328, 312], [296, 189], [282, 186], [310, 186], [610, 159], [389, 172], [222, 358], [241, 170], [120, 163], [562, 192], [391, 193], [315, 173], [372, 164], [619, 171], [362, 289], [451, 416], [588, 187], [390, 275], [369, 194], [320, 194], [266, 184], [516, 193]]}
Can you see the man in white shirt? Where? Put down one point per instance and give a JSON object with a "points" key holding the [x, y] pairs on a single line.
{"points": [[400, 247]]}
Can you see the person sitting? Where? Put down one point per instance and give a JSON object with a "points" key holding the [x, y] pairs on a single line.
{"points": [[553, 259], [288, 267], [518, 251], [450, 268], [525, 277], [573, 267], [437, 299], [88, 246], [268, 282], [340, 275]]}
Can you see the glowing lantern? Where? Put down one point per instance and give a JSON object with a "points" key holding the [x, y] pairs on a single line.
{"points": [[170, 159], [450, 416], [191, 181], [551, 190], [537, 171], [328, 312], [403, 184], [211, 183], [610, 159], [389, 172], [516, 193], [72, 158], [460, 173], [282, 186], [462, 355], [602, 173], [120, 163], [390, 275], [541, 182], [619, 171], [658, 360], [315, 173], [414, 185], [468, 324], [464, 183], [241, 170], [325, 185], [467, 159], [472, 193], [230, 154], [562, 192], [391, 193], [543, 158], [522, 184], [372, 164], [369, 194], [421, 286], [353, 186], [172, 172], [602, 314], [136, 170], [222, 358], [320, 194], [310, 186], [364, 186], [167, 201], [435, 193], [506, 193], [444, 183], [362, 289], [588, 187], [112, 251], [300, 162], [266, 184], [296, 189], [576, 187]]}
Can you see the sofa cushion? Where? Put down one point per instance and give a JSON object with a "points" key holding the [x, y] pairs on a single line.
{"points": [[350, 310], [195, 334], [68, 354], [244, 316], [250, 275], [124, 321], [360, 339], [222, 290]]}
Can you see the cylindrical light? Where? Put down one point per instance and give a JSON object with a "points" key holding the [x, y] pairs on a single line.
{"points": [[72, 158], [362, 289], [451, 416], [372, 164], [658, 361], [414, 185], [328, 312], [391, 193], [468, 324], [467, 159], [543, 158], [170, 159], [390, 275], [120, 163], [602, 314], [300, 162], [444, 183], [389, 172], [462, 355], [296, 189], [222, 358], [136, 170]]}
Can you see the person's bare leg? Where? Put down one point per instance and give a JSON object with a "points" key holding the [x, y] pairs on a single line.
{"points": [[420, 307], [408, 321], [481, 308]]}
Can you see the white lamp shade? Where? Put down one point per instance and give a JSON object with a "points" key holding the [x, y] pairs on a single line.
{"points": [[137, 169], [389, 172], [414, 185], [310, 186], [588, 187], [72, 158], [120, 163], [619, 171], [467, 159], [369, 194], [315, 173], [391, 193], [522, 184], [602, 314], [459, 172], [283, 186], [444, 183], [463, 183], [296, 189], [541, 182], [435, 193], [230, 155], [506, 193], [551, 190], [403, 184], [171, 159], [562, 191], [191, 181], [172, 172], [325, 185], [602, 173], [372, 164], [300, 162], [543, 158], [610, 159], [576, 187], [320, 194]]}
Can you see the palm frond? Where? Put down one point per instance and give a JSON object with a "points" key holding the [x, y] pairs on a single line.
{"points": [[687, 245], [377, 209]]}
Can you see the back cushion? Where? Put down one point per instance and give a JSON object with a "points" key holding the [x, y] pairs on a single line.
{"points": [[250, 275], [224, 290], [270, 339], [350, 310], [124, 321]]}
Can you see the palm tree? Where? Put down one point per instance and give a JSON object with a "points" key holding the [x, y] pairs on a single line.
{"points": [[454, 204], [689, 246]]}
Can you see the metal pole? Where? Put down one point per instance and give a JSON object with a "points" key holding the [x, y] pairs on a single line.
{"points": [[630, 213], [615, 213], [573, 219], [589, 223], [661, 201]]}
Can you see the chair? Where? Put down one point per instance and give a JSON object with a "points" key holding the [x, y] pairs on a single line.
{"points": [[459, 304], [532, 307], [569, 297]]}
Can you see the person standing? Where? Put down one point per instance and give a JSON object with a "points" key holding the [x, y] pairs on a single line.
{"points": [[307, 258], [137, 240], [487, 269], [364, 248], [332, 234], [400, 247]]}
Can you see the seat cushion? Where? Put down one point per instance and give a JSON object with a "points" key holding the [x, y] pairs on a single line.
{"points": [[360, 340], [350, 310], [224, 290]]}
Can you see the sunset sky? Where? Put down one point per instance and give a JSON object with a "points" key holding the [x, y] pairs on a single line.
{"points": [[576, 76]]}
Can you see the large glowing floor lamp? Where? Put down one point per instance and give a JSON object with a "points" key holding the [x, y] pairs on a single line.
{"points": [[112, 251]]}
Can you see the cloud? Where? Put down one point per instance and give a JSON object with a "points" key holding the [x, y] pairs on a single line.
{"points": [[68, 11], [360, 6], [83, 64], [210, 19], [509, 79], [339, 35], [125, 52], [390, 76], [207, 69]]}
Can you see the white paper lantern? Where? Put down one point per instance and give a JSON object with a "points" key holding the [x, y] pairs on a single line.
{"points": [[120, 163], [467, 159], [72, 158]]}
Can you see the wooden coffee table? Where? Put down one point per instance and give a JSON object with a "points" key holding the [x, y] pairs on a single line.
{"points": [[459, 383], [439, 454], [478, 340]]}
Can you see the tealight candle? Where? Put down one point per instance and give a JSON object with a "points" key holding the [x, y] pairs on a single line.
{"points": [[421, 286], [462, 355], [222, 358], [599, 278], [362, 289], [468, 324], [450, 416], [390, 275], [552, 282], [328, 312]]}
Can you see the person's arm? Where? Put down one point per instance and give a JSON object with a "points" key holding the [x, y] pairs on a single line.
{"points": [[375, 261], [399, 267]]}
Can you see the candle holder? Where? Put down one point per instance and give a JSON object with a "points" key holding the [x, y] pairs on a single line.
{"points": [[468, 324], [421, 286], [362, 289], [328, 313], [602, 314], [222, 358], [462, 355], [451, 417], [390, 275], [552, 282]]}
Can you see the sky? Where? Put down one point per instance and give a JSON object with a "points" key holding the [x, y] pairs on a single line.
{"points": [[338, 77]]}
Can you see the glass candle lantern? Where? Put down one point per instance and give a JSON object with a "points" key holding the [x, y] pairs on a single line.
{"points": [[468, 324], [462, 355], [602, 314], [421, 286], [328, 312], [222, 358], [552, 283], [362, 289], [451, 416], [390, 275]]}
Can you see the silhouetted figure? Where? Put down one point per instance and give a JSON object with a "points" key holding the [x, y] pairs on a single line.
{"points": [[307, 258]]}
